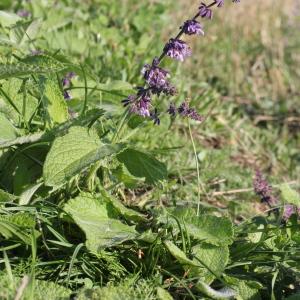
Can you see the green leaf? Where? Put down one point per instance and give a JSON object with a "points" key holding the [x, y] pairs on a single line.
{"points": [[7, 130], [214, 258], [57, 131], [6, 197], [180, 255], [210, 229], [72, 153], [24, 32], [17, 226], [163, 294], [36, 64], [127, 213], [124, 176], [289, 195], [26, 196], [8, 19], [54, 102], [143, 165], [207, 228], [246, 289], [95, 220]]}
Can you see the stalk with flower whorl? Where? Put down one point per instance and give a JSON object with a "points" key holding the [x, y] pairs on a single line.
{"points": [[157, 79]]}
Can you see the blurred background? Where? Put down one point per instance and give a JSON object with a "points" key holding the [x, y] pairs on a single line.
{"points": [[244, 73]]}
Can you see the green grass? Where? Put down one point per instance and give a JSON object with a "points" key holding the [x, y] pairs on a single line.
{"points": [[93, 207]]}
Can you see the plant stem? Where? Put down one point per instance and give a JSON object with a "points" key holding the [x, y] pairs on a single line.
{"points": [[197, 166], [120, 126]]}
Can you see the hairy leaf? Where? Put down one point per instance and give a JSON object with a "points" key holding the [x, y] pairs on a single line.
{"points": [[72, 153], [143, 165], [180, 255], [54, 102], [127, 213], [96, 221], [7, 130], [57, 131], [214, 259]]}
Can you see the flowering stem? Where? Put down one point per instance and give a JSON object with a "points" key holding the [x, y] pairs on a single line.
{"points": [[120, 126], [197, 167], [181, 32]]}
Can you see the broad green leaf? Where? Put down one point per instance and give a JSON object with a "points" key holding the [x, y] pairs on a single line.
{"points": [[17, 226], [6, 197], [8, 19], [26, 167], [210, 229], [163, 294], [57, 131], [26, 196], [95, 219], [36, 64], [289, 195], [54, 102], [143, 165], [180, 255], [246, 289], [207, 228], [127, 213], [214, 258], [24, 32], [72, 153], [126, 178], [7, 130]]}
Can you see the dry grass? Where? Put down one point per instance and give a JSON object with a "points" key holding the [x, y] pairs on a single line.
{"points": [[246, 47]]}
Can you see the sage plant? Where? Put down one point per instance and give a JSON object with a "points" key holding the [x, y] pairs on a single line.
{"points": [[157, 79]]}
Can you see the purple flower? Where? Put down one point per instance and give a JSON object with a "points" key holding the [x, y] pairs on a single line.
{"points": [[205, 11], [67, 95], [263, 189], [23, 13], [130, 99], [36, 52], [155, 76], [141, 106], [186, 111], [288, 211], [177, 49], [191, 27], [219, 3], [172, 110], [67, 79]]}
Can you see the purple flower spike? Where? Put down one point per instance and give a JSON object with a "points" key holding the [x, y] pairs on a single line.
{"points": [[67, 79], [141, 107], [155, 76], [186, 111], [67, 95], [172, 110], [263, 189], [219, 3], [177, 49], [23, 13], [192, 27], [288, 211], [205, 11]]}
